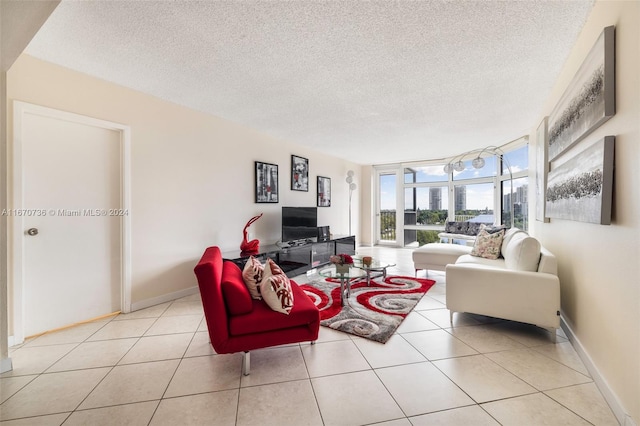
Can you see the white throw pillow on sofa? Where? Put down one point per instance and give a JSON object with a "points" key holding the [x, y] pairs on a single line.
{"points": [[522, 253], [508, 235]]}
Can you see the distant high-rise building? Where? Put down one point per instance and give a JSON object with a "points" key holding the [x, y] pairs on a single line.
{"points": [[506, 202], [522, 194], [520, 197], [460, 196], [435, 198]]}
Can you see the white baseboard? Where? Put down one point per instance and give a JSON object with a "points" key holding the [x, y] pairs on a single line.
{"points": [[614, 403], [136, 306]]}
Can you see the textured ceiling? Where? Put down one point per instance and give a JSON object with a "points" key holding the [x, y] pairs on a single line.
{"points": [[371, 81]]}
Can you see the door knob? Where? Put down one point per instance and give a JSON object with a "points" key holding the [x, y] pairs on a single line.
{"points": [[32, 231]]}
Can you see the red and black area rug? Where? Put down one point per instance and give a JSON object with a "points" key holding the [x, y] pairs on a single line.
{"points": [[373, 312]]}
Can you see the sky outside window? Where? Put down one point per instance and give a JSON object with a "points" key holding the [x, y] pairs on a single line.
{"points": [[388, 192], [518, 159], [424, 174]]}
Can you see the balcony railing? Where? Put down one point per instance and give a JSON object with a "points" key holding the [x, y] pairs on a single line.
{"points": [[388, 225]]}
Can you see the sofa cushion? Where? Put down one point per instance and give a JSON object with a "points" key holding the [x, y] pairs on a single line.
{"points": [[427, 251], [263, 318], [252, 275], [487, 245], [509, 233], [275, 288], [481, 262], [235, 292], [495, 228], [456, 227], [473, 228], [522, 253]]}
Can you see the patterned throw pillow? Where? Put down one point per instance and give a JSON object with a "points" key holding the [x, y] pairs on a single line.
{"points": [[275, 288], [456, 227], [488, 245], [474, 228], [497, 228], [252, 275]]}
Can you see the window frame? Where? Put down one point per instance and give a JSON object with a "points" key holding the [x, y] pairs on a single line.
{"points": [[497, 179]]}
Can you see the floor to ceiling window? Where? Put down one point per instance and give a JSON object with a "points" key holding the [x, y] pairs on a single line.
{"points": [[426, 203], [430, 197]]}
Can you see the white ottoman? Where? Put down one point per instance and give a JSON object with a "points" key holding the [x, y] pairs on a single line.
{"points": [[437, 256]]}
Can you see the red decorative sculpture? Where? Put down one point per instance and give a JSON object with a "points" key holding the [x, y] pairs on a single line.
{"points": [[250, 247]]}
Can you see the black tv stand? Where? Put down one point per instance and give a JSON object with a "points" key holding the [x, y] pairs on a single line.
{"points": [[298, 259], [297, 243]]}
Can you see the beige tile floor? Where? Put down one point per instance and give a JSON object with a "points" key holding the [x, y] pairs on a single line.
{"points": [[155, 367]]}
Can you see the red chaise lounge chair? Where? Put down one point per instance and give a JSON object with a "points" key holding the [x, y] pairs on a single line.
{"points": [[238, 323]]}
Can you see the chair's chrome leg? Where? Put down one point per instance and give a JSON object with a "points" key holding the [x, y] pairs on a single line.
{"points": [[246, 363], [553, 334], [451, 317]]}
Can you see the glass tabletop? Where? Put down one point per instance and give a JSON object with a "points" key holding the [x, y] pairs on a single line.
{"points": [[330, 272], [373, 266]]}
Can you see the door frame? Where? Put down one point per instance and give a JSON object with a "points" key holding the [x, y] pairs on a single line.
{"points": [[378, 172], [16, 226]]}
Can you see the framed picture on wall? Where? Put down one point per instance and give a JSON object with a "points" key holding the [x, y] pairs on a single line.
{"points": [[299, 173], [266, 182], [324, 191]]}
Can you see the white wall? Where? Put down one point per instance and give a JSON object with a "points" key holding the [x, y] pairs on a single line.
{"points": [[192, 174], [367, 207], [599, 265]]}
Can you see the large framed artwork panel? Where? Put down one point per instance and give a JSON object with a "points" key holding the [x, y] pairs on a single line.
{"points": [[589, 100], [542, 169], [581, 189]]}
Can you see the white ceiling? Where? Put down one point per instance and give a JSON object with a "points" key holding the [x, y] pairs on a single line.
{"points": [[371, 81]]}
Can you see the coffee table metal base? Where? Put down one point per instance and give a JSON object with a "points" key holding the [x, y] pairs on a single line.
{"points": [[345, 288], [346, 278], [382, 270]]}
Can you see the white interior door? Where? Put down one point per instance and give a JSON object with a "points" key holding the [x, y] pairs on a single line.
{"points": [[69, 219]]}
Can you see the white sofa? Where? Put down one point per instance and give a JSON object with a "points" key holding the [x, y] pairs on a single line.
{"points": [[522, 285]]}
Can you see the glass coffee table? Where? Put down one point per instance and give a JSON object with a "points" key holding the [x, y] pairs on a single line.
{"points": [[375, 266], [345, 278]]}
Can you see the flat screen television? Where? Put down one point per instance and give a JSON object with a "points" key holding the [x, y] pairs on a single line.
{"points": [[299, 224]]}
